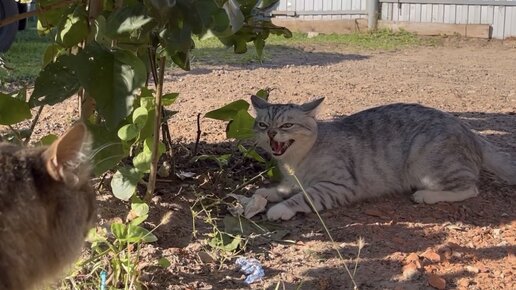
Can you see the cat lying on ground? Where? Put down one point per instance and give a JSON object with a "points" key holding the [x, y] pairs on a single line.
{"points": [[46, 208], [387, 149]]}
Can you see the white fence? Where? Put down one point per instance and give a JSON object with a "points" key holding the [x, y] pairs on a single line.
{"points": [[499, 15]]}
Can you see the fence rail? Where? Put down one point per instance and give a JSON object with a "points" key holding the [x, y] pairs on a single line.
{"points": [[477, 18]]}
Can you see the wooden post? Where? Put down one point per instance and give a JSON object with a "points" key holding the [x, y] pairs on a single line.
{"points": [[372, 14]]}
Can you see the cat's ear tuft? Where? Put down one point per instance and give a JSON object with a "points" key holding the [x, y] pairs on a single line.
{"points": [[310, 108], [259, 103], [66, 159]]}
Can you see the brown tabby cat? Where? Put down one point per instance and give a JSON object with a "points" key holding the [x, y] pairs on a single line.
{"points": [[46, 208]]}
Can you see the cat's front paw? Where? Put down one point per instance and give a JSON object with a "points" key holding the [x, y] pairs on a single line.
{"points": [[425, 196], [280, 211], [270, 194]]}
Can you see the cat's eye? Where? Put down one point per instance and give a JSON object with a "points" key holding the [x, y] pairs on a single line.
{"points": [[286, 125], [262, 125]]}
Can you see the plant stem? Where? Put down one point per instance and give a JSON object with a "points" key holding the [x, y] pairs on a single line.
{"points": [[157, 121], [198, 137], [34, 122]]}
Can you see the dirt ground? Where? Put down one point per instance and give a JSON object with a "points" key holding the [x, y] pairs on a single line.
{"points": [[466, 245]]}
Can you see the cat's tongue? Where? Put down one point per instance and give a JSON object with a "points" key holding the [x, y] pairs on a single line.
{"points": [[277, 147]]}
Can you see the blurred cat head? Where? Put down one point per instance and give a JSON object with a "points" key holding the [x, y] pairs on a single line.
{"points": [[287, 131], [45, 194]]}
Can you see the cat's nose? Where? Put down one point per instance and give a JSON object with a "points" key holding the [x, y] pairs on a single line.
{"points": [[272, 133]]}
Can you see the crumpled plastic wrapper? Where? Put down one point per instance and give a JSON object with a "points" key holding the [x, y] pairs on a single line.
{"points": [[251, 268], [248, 206]]}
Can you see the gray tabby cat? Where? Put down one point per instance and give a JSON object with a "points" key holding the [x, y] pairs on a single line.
{"points": [[388, 149], [46, 208]]}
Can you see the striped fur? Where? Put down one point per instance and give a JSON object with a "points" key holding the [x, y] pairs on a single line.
{"points": [[389, 149]]}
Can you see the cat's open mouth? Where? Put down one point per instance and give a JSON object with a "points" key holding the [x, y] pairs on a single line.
{"points": [[278, 148]]}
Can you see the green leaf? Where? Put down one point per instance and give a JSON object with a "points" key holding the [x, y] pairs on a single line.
{"points": [[13, 110], [148, 130], [169, 99], [140, 209], [164, 263], [229, 111], [55, 83], [137, 234], [142, 161], [52, 51], [49, 18], [47, 140], [119, 230], [251, 153], [139, 220], [128, 132], [107, 149], [140, 116], [127, 19], [221, 160], [259, 44], [74, 28], [264, 94], [124, 183], [148, 144], [112, 78], [233, 245], [241, 127], [178, 42]]}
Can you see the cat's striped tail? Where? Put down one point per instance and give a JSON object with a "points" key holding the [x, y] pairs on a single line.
{"points": [[500, 163]]}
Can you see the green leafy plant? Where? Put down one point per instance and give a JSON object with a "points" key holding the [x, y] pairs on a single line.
{"points": [[104, 52], [117, 251]]}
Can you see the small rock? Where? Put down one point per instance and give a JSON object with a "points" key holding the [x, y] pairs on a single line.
{"points": [[205, 257], [410, 271], [436, 281], [412, 258], [472, 269], [432, 256]]}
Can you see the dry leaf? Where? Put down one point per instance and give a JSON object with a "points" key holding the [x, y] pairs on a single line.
{"points": [[436, 281]]}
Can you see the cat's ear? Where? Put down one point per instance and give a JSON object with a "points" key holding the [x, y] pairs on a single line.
{"points": [[259, 103], [310, 108], [65, 158]]}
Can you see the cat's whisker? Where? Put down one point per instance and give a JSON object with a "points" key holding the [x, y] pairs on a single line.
{"points": [[104, 146], [109, 158]]}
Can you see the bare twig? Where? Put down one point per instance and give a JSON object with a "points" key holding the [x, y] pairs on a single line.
{"points": [[101, 183], [17, 17], [157, 121], [33, 125], [16, 133], [165, 132], [152, 60], [198, 138]]}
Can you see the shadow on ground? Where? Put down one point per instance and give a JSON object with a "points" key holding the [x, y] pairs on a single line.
{"points": [[275, 56]]}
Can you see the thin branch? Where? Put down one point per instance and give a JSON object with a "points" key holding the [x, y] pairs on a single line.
{"points": [[16, 133], [18, 17], [33, 125], [165, 131], [157, 121], [198, 137]]}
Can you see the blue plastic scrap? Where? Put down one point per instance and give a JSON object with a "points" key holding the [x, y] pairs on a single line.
{"points": [[251, 268]]}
